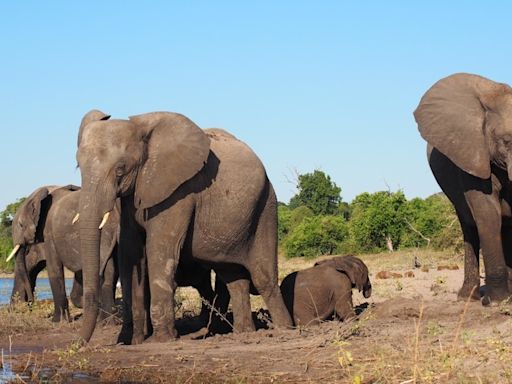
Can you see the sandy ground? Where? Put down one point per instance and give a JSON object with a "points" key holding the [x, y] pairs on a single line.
{"points": [[412, 329]]}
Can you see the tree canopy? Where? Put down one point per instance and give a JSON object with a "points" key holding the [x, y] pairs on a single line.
{"points": [[317, 221], [317, 192]]}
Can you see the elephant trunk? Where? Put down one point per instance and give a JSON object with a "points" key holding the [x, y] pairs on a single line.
{"points": [[367, 292], [90, 253], [22, 286], [509, 168]]}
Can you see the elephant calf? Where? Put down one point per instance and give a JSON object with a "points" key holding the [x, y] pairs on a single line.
{"points": [[325, 290]]}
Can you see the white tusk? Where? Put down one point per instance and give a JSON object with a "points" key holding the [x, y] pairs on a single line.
{"points": [[75, 219], [14, 251], [104, 221]]}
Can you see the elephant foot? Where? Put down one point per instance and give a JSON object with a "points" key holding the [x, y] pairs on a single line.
{"points": [[137, 339], [162, 335], [125, 336], [468, 291], [59, 316], [495, 296], [245, 327], [77, 302]]}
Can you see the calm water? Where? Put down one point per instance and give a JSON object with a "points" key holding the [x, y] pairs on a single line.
{"points": [[43, 290]]}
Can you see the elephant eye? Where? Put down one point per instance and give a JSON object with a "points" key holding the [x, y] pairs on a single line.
{"points": [[120, 170]]}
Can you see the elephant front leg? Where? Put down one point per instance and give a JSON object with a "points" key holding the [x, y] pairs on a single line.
{"points": [[470, 286], [132, 273], [487, 214], [344, 308], [162, 258], [238, 284], [107, 291], [162, 297], [77, 292], [60, 300], [242, 314]]}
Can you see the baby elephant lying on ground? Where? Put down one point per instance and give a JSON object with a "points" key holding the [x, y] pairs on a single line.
{"points": [[325, 290]]}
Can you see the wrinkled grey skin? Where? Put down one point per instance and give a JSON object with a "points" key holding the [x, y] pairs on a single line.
{"points": [[43, 226], [324, 291], [185, 194], [467, 122]]}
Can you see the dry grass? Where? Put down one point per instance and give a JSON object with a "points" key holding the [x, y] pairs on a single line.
{"points": [[20, 318], [413, 332]]}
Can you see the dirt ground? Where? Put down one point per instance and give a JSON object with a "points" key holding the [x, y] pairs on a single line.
{"points": [[411, 330]]}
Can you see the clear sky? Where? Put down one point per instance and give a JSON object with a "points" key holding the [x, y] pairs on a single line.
{"points": [[317, 84]]}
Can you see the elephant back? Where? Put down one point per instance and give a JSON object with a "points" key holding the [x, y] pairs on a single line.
{"points": [[237, 187]]}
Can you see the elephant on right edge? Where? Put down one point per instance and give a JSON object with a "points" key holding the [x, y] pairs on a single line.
{"points": [[324, 291], [467, 122]]}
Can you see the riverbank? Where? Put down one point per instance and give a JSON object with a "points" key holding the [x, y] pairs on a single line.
{"points": [[412, 329]]}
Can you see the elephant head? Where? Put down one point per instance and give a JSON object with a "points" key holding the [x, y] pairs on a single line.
{"points": [[145, 159], [468, 118], [354, 268], [27, 231]]}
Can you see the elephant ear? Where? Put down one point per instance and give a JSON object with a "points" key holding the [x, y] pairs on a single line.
{"points": [[451, 117], [92, 115], [177, 150], [24, 225], [352, 266]]}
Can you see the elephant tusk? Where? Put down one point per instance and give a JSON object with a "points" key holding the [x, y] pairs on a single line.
{"points": [[105, 219], [75, 219], [14, 251]]}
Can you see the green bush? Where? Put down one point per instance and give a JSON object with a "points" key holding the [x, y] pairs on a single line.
{"points": [[288, 219], [432, 222], [376, 219], [316, 235]]}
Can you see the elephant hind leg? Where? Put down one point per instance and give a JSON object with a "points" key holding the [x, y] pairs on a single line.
{"points": [[263, 263]]}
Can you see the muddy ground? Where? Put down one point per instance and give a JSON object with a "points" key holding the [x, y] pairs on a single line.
{"points": [[412, 329]]}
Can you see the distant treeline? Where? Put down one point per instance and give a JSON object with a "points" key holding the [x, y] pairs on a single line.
{"points": [[317, 222]]}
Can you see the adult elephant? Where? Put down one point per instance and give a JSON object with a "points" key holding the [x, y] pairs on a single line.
{"points": [[185, 194], [467, 121], [45, 236]]}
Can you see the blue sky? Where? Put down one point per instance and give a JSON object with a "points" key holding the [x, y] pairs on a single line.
{"points": [[327, 85]]}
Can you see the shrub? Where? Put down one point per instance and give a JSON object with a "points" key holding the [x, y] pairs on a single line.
{"points": [[316, 235], [377, 219]]}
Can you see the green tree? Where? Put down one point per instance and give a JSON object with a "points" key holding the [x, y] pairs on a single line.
{"points": [[432, 222], [316, 235], [288, 218], [378, 220], [318, 193]]}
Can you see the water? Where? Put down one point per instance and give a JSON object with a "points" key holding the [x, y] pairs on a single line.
{"points": [[43, 290]]}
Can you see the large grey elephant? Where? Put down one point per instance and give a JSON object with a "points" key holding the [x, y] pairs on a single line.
{"points": [[44, 235], [467, 122], [185, 194], [324, 291]]}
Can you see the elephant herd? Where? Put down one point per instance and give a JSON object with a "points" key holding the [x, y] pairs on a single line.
{"points": [[164, 203]]}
